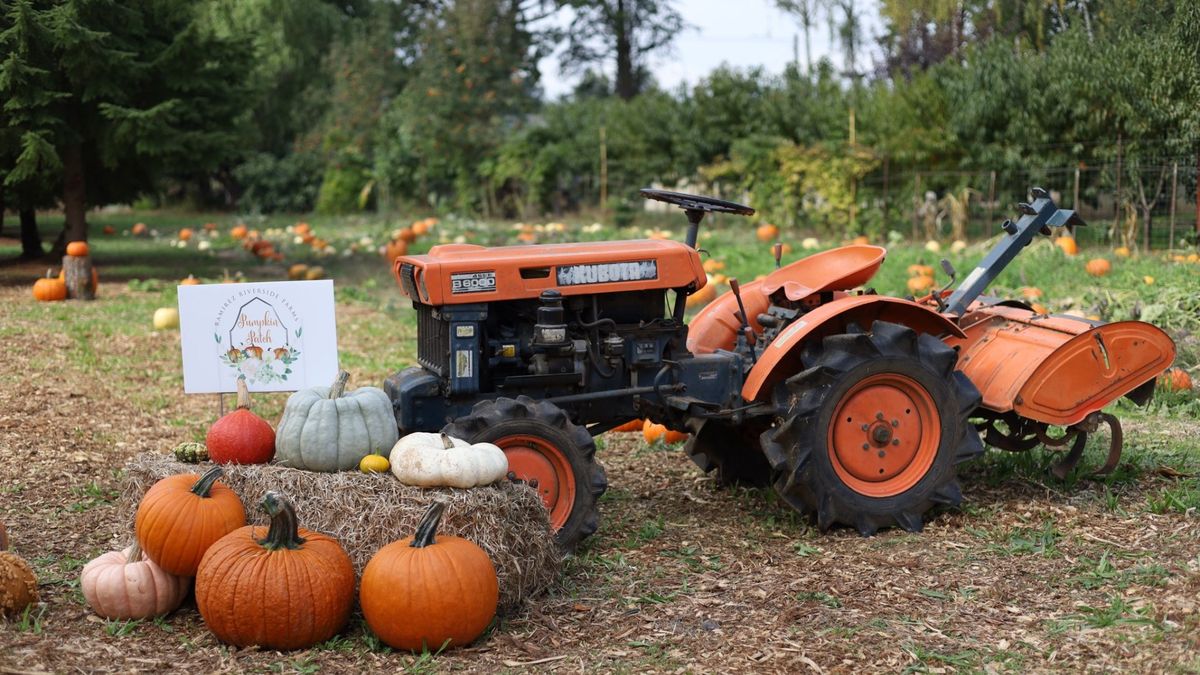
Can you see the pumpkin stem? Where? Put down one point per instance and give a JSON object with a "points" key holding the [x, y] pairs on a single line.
{"points": [[339, 384], [49, 272], [284, 531], [243, 394], [204, 486], [447, 442], [429, 525], [135, 552]]}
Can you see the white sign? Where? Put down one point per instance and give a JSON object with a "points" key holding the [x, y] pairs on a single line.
{"points": [[278, 336]]}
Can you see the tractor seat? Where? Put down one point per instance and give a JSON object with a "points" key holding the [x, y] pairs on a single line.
{"points": [[837, 269]]}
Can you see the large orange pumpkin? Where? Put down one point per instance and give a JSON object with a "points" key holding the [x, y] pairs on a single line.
{"points": [[50, 288], [241, 437], [182, 515], [920, 284], [426, 592], [766, 232], [285, 587], [652, 432], [77, 248], [630, 426], [185, 234], [239, 231], [703, 296], [407, 235], [395, 249], [1098, 267], [1175, 379]]}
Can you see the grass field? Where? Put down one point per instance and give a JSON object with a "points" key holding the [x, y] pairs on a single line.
{"points": [[1032, 574]]}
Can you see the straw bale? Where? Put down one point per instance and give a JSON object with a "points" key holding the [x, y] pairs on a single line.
{"points": [[368, 511]]}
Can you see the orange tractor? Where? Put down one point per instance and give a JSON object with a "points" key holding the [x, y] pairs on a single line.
{"points": [[857, 407]]}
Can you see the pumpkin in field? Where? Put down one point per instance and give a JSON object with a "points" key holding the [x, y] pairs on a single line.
{"points": [[1098, 267], [180, 516], [330, 429], [374, 464], [713, 265], [1031, 292], [166, 318], [18, 585], [430, 590], [919, 270], [1121, 251], [703, 296], [138, 229], [50, 289], [1068, 245], [766, 232], [437, 460], [315, 272], [810, 243], [127, 585], [241, 437], [77, 248], [1175, 379], [1039, 308], [109, 229], [302, 229], [210, 227], [422, 227], [920, 284], [282, 587], [659, 432], [933, 246], [239, 231], [395, 249], [407, 235], [185, 234], [630, 426], [191, 280], [296, 272]]}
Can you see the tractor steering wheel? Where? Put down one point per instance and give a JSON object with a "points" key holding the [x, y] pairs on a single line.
{"points": [[697, 202]]}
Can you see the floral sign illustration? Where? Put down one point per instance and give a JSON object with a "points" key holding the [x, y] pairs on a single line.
{"points": [[259, 344], [277, 336]]}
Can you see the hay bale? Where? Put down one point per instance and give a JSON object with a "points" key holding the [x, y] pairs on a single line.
{"points": [[365, 512]]}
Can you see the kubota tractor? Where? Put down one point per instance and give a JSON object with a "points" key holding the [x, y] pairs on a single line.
{"points": [[856, 407]]}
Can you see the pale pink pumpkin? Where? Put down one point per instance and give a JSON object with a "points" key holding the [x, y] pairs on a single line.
{"points": [[128, 585]]}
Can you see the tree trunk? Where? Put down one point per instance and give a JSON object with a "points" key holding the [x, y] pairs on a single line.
{"points": [[626, 85], [74, 197], [77, 272], [1, 212], [31, 239]]}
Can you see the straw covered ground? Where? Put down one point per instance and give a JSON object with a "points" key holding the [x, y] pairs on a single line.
{"points": [[366, 512]]}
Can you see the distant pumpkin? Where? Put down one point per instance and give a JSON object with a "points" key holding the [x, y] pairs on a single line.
{"points": [[185, 234], [1098, 267], [138, 229], [78, 249], [1068, 245], [767, 232], [1175, 379], [239, 231], [919, 284]]}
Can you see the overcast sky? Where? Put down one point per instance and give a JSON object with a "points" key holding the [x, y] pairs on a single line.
{"points": [[741, 33]]}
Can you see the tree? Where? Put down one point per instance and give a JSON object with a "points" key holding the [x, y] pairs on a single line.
{"points": [[625, 31], [141, 91]]}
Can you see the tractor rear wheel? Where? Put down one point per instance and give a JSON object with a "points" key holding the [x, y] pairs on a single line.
{"points": [[543, 444], [874, 429], [732, 451]]}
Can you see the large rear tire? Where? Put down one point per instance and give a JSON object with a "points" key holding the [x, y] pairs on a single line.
{"points": [[543, 444], [874, 430]]}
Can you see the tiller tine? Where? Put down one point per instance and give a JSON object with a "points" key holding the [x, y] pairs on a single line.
{"points": [[1079, 433]]}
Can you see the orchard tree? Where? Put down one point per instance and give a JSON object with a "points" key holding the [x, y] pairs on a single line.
{"points": [[624, 31], [116, 95]]}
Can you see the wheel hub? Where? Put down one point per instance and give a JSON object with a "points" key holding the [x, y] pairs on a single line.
{"points": [[534, 459], [884, 434]]}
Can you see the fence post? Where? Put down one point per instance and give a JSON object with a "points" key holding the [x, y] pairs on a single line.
{"points": [[991, 203], [1174, 186], [916, 208], [1075, 199], [603, 172]]}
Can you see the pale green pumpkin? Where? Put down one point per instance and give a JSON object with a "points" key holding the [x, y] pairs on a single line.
{"points": [[328, 429]]}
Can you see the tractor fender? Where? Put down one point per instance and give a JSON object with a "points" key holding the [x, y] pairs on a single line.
{"points": [[782, 357]]}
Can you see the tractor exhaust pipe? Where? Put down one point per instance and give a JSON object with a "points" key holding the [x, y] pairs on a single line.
{"points": [[1036, 218]]}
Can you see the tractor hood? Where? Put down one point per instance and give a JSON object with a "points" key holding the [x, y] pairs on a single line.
{"points": [[466, 273]]}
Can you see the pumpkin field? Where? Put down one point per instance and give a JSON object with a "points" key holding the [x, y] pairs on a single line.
{"points": [[1032, 573]]}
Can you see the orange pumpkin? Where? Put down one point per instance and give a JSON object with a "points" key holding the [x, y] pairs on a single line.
{"points": [[659, 432], [1031, 292], [182, 515], [302, 228], [50, 289], [138, 229], [109, 229], [426, 592], [210, 227], [185, 234], [1068, 245], [77, 248], [630, 426], [241, 437], [1122, 251], [713, 265], [318, 243], [920, 284], [283, 588], [407, 235], [703, 296], [766, 232], [1039, 308], [191, 280], [395, 249], [1175, 379], [239, 231], [422, 227], [860, 240], [1098, 267], [919, 270]]}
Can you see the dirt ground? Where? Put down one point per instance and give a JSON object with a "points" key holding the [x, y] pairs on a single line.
{"points": [[1028, 576]]}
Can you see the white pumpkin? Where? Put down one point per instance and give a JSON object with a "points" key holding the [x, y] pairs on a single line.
{"points": [[326, 429], [437, 460]]}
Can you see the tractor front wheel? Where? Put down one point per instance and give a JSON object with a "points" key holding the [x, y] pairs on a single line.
{"points": [[874, 429], [544, 447]]}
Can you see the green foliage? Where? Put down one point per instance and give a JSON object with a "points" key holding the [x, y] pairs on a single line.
{"points": [[342, 184], [287, 184]]}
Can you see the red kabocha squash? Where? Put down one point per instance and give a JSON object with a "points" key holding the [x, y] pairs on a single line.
{"points": [[182, 515], [18, 585], [299, 583], [128, 585], [428, 591], [241, 437]]}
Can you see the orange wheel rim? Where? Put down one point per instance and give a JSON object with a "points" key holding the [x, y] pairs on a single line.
{"points": [[884, 435], [530, 458]]}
